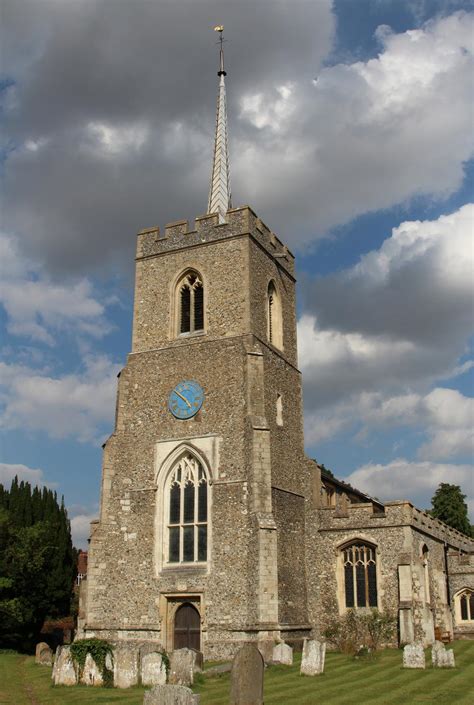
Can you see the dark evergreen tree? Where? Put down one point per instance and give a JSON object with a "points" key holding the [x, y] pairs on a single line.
{"points": [[449, 506], [37, 562]]}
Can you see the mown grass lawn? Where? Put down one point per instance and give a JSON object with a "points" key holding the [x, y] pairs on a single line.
{"points": [[345, 682]]}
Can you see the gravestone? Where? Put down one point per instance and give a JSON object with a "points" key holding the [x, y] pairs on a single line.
{"points": [[64, 672], [312, 660], [171, 695], [246, 678], [43, 654], [125, 665], [183, 664], [91, 674], [442, 657], [413, 656], [282, 654], [152, 669]]}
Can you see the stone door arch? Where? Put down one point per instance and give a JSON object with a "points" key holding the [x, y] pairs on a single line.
{"points": [[187, 628]]}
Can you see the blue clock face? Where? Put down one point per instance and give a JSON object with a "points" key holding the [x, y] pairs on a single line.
{"points": [[186, 399]]}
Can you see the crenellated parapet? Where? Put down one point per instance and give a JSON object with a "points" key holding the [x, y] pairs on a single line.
{"points": [[206, 228]]}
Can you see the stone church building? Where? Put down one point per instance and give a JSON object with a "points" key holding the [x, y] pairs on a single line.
{"points": [[215, 528]]}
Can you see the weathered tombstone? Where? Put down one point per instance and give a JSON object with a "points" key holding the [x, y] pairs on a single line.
{"points": [[171, 695], [312, 660], [152, 669], [246, 678], [125, 665], [413, 656], [91, 674], [265, 646], [282, 654], [43, 654], [442, 657], [64, 672], [183, 666], [198, 661]]}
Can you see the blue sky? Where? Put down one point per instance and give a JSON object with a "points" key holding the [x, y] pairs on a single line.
{"points": [[350, 134]]}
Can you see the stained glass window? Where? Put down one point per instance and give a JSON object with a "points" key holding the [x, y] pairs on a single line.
{"points": [[466, 603]]}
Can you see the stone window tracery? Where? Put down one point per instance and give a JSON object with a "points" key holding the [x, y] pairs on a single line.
{"points": [[360, 575], [465, 600], [190, 304], [187, 512]]}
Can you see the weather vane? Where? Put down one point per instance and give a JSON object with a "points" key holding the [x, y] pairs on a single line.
{"points": [[220, 28]]}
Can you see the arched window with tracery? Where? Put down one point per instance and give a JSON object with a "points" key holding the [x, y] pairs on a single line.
{"points": [[465, 605], [274, 317], [187, 511], [190, 303], [360, 575]]}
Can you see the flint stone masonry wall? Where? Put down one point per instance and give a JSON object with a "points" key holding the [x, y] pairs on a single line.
{"points": [[242, 375], [461, 576], [273, 569]]}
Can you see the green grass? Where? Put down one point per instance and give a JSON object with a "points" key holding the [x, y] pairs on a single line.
{"points": [[345, 682]]}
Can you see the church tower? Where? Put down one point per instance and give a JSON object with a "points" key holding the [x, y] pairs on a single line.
{"points": [[201, 535]]}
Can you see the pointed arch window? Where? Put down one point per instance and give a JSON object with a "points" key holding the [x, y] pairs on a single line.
{"points": [[186, 502], [190, 304], [274, 317], [465, 605], [360, 575]]}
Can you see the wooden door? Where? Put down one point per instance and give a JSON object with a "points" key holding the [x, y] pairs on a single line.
{"points": [[187, 628]]}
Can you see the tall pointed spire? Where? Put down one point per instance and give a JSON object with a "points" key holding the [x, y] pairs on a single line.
{"points": [[219, 193]]}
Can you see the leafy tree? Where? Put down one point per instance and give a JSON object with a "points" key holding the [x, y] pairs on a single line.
{"points": [[37, 562], [449, 506]]}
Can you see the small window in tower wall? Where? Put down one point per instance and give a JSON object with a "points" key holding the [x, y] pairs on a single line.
{"points": [[190, 304], [274, 317], [279, 410]]}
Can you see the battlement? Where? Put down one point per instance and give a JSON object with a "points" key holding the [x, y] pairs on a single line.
{"points": [[206, 228]]}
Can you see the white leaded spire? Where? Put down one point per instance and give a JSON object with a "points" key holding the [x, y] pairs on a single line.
{"points": [[219, 194]]}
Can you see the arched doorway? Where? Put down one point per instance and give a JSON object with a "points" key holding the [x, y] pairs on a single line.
{"points": [[187, 628]]}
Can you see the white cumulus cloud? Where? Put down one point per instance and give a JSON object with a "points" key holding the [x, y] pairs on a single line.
{"points": [[75, 405]]}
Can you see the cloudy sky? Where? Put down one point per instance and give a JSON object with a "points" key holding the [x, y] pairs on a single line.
{"points": [[350, 135]]}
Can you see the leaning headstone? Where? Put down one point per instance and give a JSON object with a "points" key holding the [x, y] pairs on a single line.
{"points": [[171, 695], [91, 674], [125, 665], [246, 678], [183, 666], [442, 657], [312, 660], [413, 656], [64, 672], [265, 646], [282, 654], [43, 654], [153, 669]]}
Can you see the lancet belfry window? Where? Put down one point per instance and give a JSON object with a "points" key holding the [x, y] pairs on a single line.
{"points": [[274, 318], [466, 605], [191, 304], [187, 512], [360, 577]]}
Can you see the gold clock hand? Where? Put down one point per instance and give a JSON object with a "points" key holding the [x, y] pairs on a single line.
{"points": [[183, 398]]}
